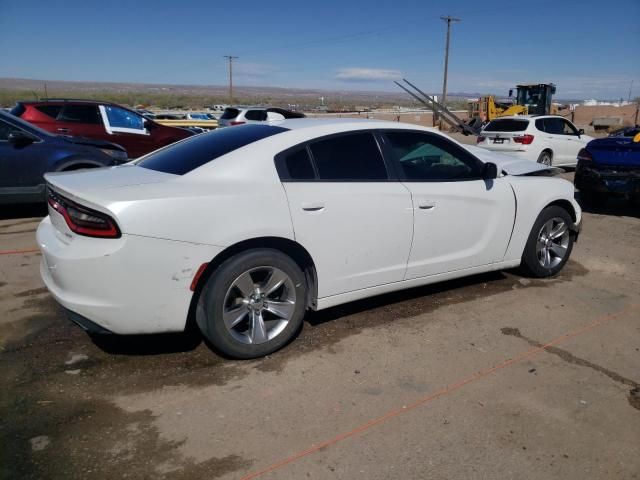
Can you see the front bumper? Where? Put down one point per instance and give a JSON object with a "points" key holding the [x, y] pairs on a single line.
{"points": [[617, 180], [129, 285]]}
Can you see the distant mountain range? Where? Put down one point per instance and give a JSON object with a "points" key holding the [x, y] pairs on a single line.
{"points": [[268, 94]]}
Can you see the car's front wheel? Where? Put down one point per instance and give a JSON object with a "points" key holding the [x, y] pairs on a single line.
{"points": [[550, 243], [253, 304]]}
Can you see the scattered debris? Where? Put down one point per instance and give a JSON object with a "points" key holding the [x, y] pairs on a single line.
{"points": [[39, 443]]}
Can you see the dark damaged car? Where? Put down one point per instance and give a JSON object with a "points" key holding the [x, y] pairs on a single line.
{"points": [[610, 166], [28, 152]]}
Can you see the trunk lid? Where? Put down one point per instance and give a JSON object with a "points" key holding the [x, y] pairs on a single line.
{"points": [[618, 151]]}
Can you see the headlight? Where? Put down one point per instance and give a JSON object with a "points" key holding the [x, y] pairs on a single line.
{"points": [[115, 154]]}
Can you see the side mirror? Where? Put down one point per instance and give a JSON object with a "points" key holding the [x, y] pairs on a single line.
{"points": [[490, 171], [581, 131], [149, 125], [20, 139]]}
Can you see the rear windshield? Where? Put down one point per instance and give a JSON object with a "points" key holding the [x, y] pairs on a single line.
{"points": [[182, 157], [506, 125], [230, 113]]}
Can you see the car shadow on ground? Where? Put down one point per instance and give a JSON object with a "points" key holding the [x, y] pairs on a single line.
{"points": [[152, 344], [27, 210]]}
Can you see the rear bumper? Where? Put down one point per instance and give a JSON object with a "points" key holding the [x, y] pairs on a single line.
{"points": [[128, 285], [612, 180]]}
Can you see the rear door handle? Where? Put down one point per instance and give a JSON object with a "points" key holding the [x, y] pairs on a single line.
{"points": [[313, 206], [426, 205], [63, 130]]}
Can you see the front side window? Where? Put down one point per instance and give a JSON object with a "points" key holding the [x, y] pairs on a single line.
{"points": [[425, 157], [568, 128], [555, 126], [352, 157], [120, 120]]}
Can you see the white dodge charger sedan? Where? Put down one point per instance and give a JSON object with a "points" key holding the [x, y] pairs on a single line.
{"points": [[241, 230]]}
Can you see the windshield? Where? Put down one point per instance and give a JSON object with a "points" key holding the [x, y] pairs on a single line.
{"points": [[18, 122], [189, 154]]}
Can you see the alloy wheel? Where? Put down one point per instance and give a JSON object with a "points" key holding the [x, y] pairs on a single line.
{"points": [[552, 243], [258, 305]]}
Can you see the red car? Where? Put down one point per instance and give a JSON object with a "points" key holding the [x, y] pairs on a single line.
{"points": [[100, 120]]}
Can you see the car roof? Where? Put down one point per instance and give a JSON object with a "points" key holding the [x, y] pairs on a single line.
{"points": [[346, 123], [526, 117], [70, 100]]}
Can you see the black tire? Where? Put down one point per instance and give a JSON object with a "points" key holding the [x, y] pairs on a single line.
{"points": [[593, 199], [545, 158], [218, 289], [531, 264]]}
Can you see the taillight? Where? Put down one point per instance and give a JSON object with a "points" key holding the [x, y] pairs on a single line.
{"points": [[83, 220], [524, 139], [237, 123], [585, 156], [480, 139]]}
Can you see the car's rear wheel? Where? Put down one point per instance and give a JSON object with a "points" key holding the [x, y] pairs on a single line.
{"points": [[550, 243], [545, 158], [253, 304]]}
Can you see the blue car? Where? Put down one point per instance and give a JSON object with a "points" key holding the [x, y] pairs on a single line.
{"points": [[28, 152], [609, 167]]}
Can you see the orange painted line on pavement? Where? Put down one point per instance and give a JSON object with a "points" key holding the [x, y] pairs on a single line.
{"points": [[17, 252], [440, 393]]}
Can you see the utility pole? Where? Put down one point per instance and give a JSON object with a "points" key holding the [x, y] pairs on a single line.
{"points": [[447, 19], [230, 58]]}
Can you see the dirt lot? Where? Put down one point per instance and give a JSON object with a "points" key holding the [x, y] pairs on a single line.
{"points": [[496, 376]]}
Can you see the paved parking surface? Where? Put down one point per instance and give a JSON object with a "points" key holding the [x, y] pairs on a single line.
{"points": [[496, 376]]}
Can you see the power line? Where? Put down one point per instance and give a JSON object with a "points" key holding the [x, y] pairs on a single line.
{"points": [[447, 19], [230, 58]]}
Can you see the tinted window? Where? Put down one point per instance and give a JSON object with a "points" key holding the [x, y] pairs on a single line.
{"points": [[182, 157], [230, 113], [506, 125], [424, 157], [259, 115], [296, 165], [568, 128], [553, 125], [80, 114], [349, 157], [121, 118], [50, 110]]}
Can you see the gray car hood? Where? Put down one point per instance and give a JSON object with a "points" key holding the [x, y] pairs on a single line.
{"points": [[508, 164]]}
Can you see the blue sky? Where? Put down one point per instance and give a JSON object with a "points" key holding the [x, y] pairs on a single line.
{"points": [[588, 48]]}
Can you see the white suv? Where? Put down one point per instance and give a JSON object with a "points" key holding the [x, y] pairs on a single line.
{"points": [[241, 115], [548, 139]]}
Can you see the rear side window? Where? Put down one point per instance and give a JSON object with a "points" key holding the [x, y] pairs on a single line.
{"points": [[50, 110], [230, 113], [354, 157], [295, 165], [182, 157], [506, 125], [80, 114], [259, 115]]}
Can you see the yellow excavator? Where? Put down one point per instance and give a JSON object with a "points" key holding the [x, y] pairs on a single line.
{"points": [[531, 99]]}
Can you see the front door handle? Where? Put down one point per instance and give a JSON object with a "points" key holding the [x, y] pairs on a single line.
{"points": [[313, 206], [63, 130]]}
